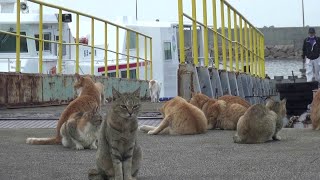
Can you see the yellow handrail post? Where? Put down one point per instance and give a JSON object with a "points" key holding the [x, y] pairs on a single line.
{"points": [[236, 40], [205, 22], [223, 32], [145, 59], [181, 31], [246, 45], [251, 52], [128, 53], [106, 49], [254, 52], [194, 33], [40, 37], [151, 75], [258, 55], [77, 42], [92, 46], [60, 43], [117, 52], [241, 44], [18, 69], [215, 34], [230, 40], [137, 55], [262, 56]]}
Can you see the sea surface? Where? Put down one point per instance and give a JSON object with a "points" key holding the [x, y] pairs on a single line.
{"points": [[284, 68]]}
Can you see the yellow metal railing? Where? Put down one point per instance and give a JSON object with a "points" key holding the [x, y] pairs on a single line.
{"points": [[148, 50], [244, 40]]}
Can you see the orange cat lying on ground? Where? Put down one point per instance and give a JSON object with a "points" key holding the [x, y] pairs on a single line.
{"points": [[315, 111], [89, 100], [223, 113], [180, 117], [235, 99]]}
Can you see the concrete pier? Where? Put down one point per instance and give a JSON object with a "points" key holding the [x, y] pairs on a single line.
{"points": [[212, 155]]}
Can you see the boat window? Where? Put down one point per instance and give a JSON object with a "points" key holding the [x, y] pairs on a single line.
{"points": [[113, 74], [132, 44], [132, 74], [167, 50], [64, 47], [46, 45], [8, 43]]}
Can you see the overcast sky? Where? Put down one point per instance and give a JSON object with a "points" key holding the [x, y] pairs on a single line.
{"points": [[279, 13]]}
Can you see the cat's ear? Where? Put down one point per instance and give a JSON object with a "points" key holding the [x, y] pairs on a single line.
{"points": [[77, 76], [137, 92], [284, 102], [269, 101], [116, 94]]}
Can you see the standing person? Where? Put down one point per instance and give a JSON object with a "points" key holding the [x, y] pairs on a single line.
{"points": [[310, 54]]}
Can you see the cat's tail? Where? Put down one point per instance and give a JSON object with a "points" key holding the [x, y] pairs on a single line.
{"points": [[43, 141], [146, 128]]}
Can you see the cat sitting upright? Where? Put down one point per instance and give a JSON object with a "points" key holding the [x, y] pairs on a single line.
{"points": [[261, 123], [81, 130], [118, 155], [89, 99]]}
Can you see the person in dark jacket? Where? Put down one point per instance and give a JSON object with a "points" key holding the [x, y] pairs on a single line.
{"points": [[310, 54]]}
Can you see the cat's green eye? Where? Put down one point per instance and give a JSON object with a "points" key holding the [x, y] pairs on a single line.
{"points": [[135, 106], [123, 106]]}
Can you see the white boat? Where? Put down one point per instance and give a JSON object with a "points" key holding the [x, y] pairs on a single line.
{"points": [[164, 46]]}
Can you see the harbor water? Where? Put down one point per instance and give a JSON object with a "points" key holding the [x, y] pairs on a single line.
{"points": [[279, 67]]}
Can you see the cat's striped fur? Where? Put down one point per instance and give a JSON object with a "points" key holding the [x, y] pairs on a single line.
{"points": [[119, 155]]}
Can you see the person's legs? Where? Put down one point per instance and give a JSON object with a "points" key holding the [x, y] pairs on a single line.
{"points": [[309, 70], [317, 69]]}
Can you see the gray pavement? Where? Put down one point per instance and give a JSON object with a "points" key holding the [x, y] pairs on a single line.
{"points": [[208, 156]]}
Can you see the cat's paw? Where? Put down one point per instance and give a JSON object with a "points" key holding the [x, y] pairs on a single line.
{"points": [[93, 146], [129, 178], [236, 139], [142, 128], [151, 132], [79, 147], [277, 137], [93, 174]]}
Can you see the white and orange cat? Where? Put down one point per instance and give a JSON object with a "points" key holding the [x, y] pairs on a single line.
{"points": [[89, 100], [81, 130]]}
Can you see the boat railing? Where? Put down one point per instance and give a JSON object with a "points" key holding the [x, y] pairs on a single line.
{"points": [[62, 18], [9, 61]]}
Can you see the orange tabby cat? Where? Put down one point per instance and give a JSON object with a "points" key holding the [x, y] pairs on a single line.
{"points": [[229, 99], [315, 111], [89, 100], [180, 117], [223, 113]]}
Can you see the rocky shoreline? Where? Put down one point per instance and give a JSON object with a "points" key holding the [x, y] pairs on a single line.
{"points": [[282, 52]]}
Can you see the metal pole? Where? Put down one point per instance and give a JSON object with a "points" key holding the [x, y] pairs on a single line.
{"points": [[302, 13], [136, 10]]}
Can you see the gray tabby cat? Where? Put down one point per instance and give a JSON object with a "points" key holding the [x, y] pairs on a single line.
{"points": [[81, 130], [119, 156], [261, 123]]}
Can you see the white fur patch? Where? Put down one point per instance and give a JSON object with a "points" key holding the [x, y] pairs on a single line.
{"points": [[87, 135]]}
